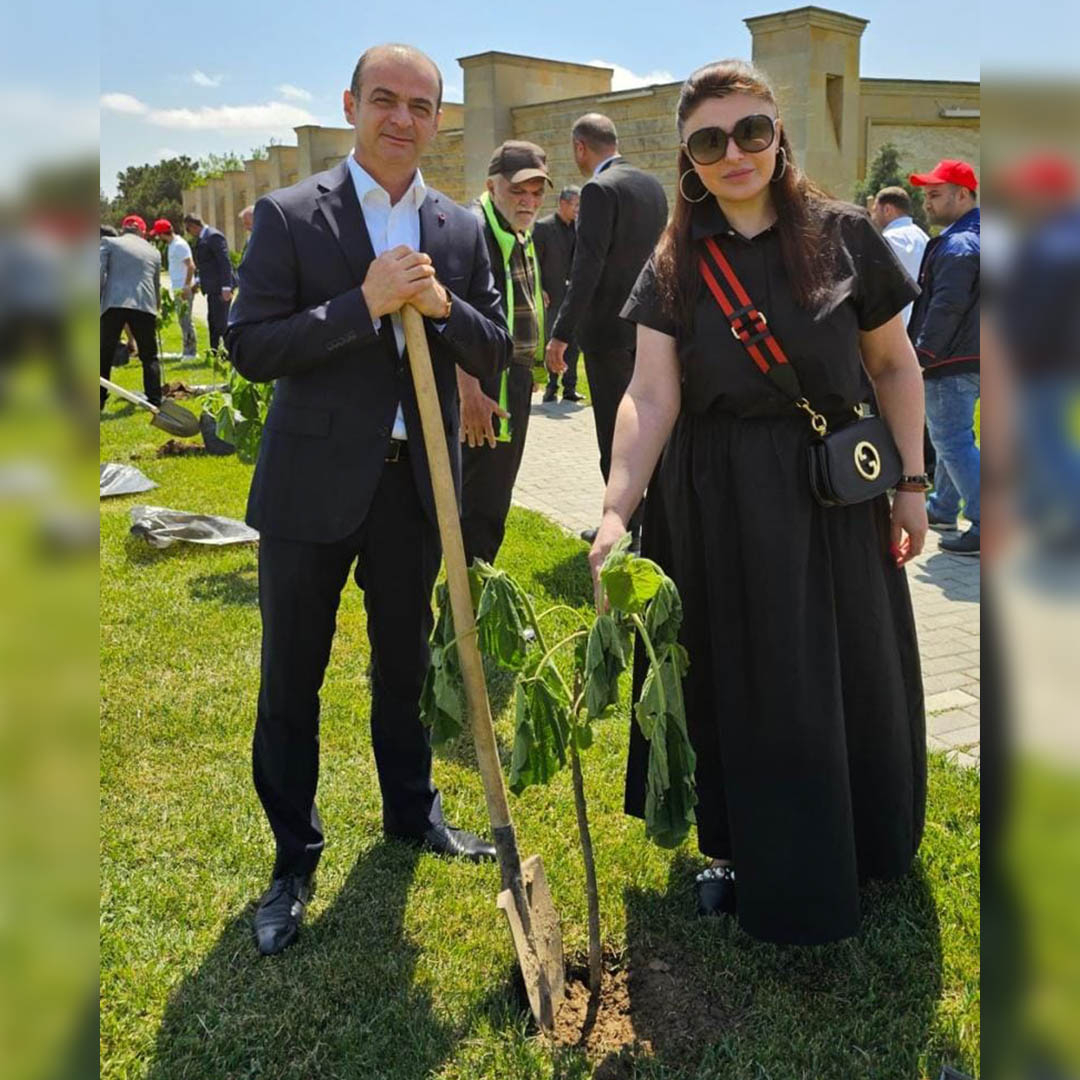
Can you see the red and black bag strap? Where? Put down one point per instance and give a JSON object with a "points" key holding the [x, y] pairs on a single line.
{"points": [[750, 327]]}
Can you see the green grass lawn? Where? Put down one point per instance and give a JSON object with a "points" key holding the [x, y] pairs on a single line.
{"points": [[405, 969]]}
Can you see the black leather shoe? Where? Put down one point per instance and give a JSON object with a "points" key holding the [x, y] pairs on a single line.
{"points": [[550, 396], [572, 395], [715, 891], [588, 535], [454, 843], [281, 910], [967, 543]]}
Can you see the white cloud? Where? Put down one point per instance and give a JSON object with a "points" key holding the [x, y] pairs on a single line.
{"points": [[123, 103], [200, 78], [273, 116], [625, 79], [294, 93]]}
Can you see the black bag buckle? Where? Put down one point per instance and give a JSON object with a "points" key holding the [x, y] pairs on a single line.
{"points": [[757, 321]]}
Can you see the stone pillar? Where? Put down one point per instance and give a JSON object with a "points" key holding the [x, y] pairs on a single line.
{"points": [[496, 81], [282, 166], [258, 178], [811, 57], [235, 199]]}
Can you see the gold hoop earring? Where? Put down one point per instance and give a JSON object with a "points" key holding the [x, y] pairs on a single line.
{"points": [[701, 198], [783, 170]]}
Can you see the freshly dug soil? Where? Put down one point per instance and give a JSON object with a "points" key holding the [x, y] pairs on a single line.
{"points": [[176, 448], [650, 1006]]}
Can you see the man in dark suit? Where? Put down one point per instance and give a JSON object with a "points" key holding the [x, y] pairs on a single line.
{"points": [[342, 474], [554, 237], [216, 277], [623, 211]]}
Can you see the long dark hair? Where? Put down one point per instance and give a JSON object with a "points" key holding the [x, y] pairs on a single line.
{"points": [[799, 204]]}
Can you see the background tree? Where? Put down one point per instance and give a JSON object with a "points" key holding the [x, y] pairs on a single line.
{"points": [[153, 191], [886, 171]]}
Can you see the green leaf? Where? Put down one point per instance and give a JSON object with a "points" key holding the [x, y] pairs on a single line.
{"points": [[248, 436], [246, 399], [582, 733], [442, 699], [501, 618], [664, 615], [226, 424], [541, 734], [630, 582], [606, 656]]}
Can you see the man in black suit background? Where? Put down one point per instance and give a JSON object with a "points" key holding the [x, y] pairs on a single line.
{"points": [[554, 237], [216, 277], [622, 213], [342, 475]]}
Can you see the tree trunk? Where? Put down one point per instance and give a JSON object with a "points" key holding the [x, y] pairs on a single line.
{"points": [[590, 872]]}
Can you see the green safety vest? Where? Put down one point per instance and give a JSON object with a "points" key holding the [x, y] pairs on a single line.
{"points": [[506, 241]]}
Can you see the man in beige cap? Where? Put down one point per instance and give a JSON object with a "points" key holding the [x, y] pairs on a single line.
{"points": [[495, 411]]}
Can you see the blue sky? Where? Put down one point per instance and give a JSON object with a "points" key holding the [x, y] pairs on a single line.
{"points": [[207, 77]]}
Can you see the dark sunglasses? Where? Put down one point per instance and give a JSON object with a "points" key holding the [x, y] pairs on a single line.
{"points": [[752, 134]]}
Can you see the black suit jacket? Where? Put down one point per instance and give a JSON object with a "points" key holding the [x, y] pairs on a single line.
{"points": [[211, 256], [300, 318], [555, 251], [620, 218]]}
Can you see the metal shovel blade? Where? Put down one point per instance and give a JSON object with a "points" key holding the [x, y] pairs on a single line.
{"points": [[176, 420], [540, 953]]}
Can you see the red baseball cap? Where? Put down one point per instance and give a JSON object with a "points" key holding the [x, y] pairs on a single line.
{"points": [[1049, 174], [948, 171], [133, 220], [161, 226]]}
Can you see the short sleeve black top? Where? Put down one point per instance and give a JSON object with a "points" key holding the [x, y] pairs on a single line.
{"points": [[871, 287]]}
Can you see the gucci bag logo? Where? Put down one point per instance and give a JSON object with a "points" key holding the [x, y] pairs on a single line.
{"points": [[867, 460]]}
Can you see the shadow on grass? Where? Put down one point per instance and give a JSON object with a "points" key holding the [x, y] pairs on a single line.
{"points": [[705, 995], [569, 581], [340, 1002], [117, 414], [240, 587]]}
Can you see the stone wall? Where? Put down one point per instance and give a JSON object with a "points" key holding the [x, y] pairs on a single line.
{"points": [[644, 119]]}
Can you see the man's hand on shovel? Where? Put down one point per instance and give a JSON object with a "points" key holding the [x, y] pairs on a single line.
{"points": [[402, 276]]}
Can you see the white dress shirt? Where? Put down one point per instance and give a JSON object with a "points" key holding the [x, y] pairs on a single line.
{"points": [[909, 242], [389, 226], [603, 164]]}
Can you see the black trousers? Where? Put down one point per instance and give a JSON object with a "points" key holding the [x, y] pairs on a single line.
{"points": [[397, 556], [488, 475], [144, 326], [609, 374], [217, 316]]}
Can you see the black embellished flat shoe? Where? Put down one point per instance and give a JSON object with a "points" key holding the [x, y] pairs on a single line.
{"points": [[715, 891]]}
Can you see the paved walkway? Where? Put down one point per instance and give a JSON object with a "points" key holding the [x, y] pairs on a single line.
{"points": [[560, 477]]}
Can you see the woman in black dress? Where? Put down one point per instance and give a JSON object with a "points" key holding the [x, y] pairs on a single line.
{"points": [[804, 695]]}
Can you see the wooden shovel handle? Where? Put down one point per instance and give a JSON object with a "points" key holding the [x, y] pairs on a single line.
{"points": [[457, 576]]}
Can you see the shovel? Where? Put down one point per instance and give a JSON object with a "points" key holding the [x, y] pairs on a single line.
{"points": [[525, 898], [169, 416]]}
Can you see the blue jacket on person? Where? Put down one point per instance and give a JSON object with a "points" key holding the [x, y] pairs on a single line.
{"points": [[944, 326]]}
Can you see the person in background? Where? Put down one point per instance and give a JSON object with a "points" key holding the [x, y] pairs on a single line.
{"points": [[181, 267], [944, 328], [490, 458], [554, 237], [216, 276], [891, 213], [130, 291]]}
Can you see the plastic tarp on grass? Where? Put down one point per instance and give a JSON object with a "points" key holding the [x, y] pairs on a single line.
{"points": [[122, 480], [161, 527]]}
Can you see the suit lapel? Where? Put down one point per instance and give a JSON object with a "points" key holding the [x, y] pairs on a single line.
{"points": [[434, 234], [341, 208]]}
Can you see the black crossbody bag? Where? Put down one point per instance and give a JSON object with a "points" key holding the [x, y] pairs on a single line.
{"points": [[857, 462]]}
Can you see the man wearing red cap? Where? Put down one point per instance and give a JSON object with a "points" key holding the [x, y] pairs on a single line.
{"points": [[181, 280], [130, 289], [944, 328]]}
